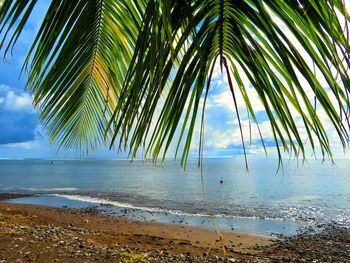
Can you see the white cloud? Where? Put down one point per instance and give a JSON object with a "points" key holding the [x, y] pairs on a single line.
{"points": [[37, 142], [232, 136], [11, 101], [21, 145], [21, 102]]}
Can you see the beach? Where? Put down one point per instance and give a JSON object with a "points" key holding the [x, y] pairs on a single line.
{"points": [[23, 225], [175, 131], [30, 233], [261, 202], [109, 211]]}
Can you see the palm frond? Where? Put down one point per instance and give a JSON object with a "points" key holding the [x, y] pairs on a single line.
{"points": [[101, 69], [238, 34], [77, 63]]}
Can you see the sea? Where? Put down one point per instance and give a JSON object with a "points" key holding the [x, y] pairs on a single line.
{"points": [[265, 200]]}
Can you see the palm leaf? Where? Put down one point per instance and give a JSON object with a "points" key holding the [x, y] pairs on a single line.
{"points": [[237, 34], [102, 69], [77, 64]]}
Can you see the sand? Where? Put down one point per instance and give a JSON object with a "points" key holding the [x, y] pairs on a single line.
{"points": [[31, 233], [120, 232]]}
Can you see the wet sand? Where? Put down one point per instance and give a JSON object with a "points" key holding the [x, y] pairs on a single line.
{"points": [[113, 232], [31, 233]]}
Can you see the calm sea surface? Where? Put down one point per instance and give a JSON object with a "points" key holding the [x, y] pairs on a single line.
{"points": [[260, 201]]}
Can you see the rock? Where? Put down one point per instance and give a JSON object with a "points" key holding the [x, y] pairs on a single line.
{"points": [[184, 243]]}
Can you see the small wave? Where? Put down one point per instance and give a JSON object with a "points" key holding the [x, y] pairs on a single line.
{"points": [[126, 205], [310, 215], [103, 201], [107, 202], [318, 214]]}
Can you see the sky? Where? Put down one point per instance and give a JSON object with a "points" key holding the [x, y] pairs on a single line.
{"points": [[22, 136]]}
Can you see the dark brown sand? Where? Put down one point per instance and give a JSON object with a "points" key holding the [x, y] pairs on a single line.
{"points": [[31, 233], [18, 222]]}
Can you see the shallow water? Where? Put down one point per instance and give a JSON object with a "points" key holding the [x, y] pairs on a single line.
{"points": [[260, 201]]}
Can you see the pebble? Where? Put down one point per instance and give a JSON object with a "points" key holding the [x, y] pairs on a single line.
{"points": [[330, 243]]}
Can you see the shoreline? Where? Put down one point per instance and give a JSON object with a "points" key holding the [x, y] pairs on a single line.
{"points": [[126, 233], [254, 225], [32, 233], [8, 196]]}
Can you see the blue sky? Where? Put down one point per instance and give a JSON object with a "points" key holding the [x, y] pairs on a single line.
{"points": [[22, 136]]}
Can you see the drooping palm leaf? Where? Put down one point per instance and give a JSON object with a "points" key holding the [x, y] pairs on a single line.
{"points": [[77, 63], [174, 48], [237, 34]]}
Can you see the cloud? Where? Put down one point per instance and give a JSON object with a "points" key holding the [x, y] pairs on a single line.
{"points": [[17, 127], [14, 101], [22, 102], [36, 147], [20, 145], [18, 119], [36, 141]]}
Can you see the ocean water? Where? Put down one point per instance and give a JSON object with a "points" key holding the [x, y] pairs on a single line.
{"points": [[260, 201]]}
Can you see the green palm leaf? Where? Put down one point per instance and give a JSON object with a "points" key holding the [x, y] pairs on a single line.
{"points": [[103, 69], [77, 64], [237, 34]]}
